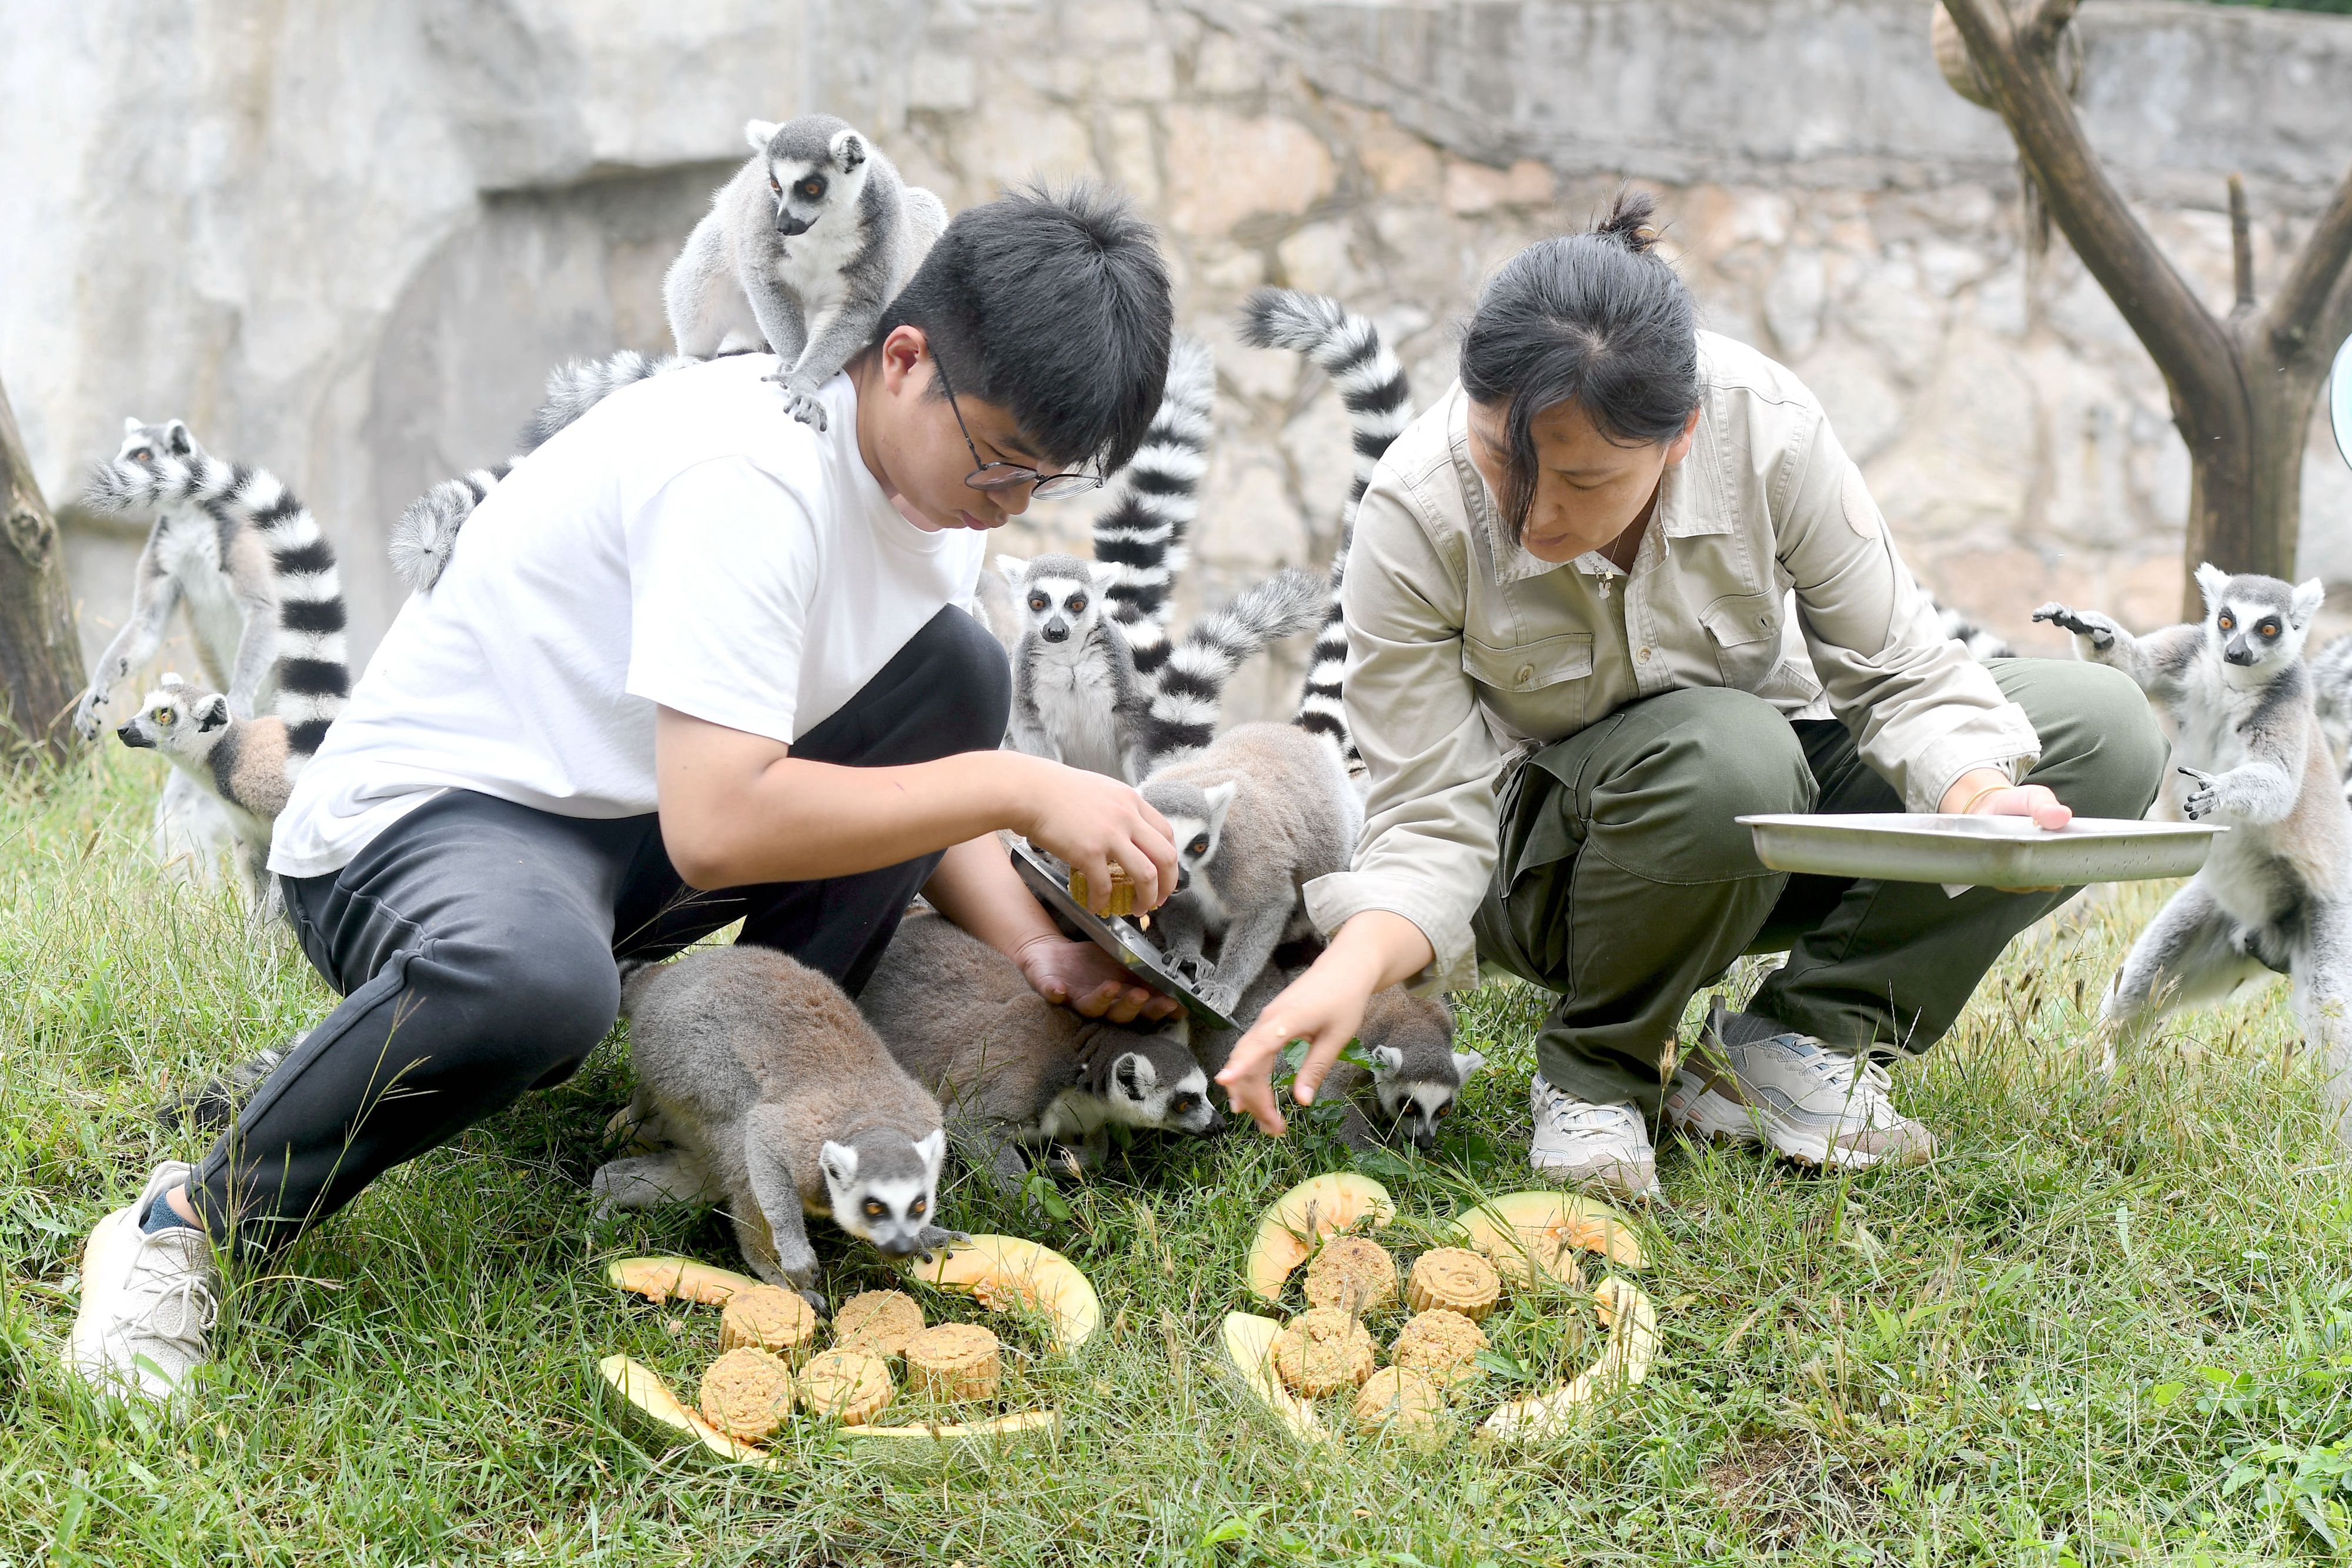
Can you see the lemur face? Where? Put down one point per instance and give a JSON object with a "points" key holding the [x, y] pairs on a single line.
{"points": [[1197, 818], [177, 720], [805, 189], [884, 1188], [144, 443], [1061, 596], [1416, 1105], [2257, 623], [1171, 1093]]}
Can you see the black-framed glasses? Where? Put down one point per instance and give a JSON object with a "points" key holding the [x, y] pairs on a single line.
{"points": [[1008, 476]]}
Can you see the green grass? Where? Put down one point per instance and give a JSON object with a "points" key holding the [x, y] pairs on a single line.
{"points": [[2110, 1324]]}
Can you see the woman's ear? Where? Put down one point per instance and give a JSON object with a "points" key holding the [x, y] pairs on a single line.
{"points": [[1679, 448]]}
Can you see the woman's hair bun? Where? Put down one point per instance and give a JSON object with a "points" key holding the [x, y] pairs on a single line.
{"points": [[1629, 221]]}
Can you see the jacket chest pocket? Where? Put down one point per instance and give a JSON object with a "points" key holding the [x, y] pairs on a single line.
{"points": [[1746, 631], [1539, 689]]}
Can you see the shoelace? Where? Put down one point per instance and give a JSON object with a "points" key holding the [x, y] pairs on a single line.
{"points": [[1870, 1086], [198, 1310], [1567, 1116]]}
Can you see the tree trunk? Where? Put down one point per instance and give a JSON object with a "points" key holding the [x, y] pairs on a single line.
{"points": [[40, 657]]}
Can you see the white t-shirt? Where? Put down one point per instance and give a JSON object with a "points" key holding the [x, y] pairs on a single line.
{"points": [[687, 542]]}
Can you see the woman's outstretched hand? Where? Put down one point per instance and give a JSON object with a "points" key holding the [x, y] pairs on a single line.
{"points": [[1325, 1007], [1987, 792]]}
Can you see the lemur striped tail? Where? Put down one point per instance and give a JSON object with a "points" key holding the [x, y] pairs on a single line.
{"points": [[312, 673], [1154, 500], [1189, 692], [1346, 348], [574, 388], [427, 533]]}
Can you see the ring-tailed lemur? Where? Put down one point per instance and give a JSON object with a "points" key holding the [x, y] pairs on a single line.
{"points": [[779, 1101], [2275, 891], [279, 563], [2331, 691], [1010, 1068], [1077, 698], [427, 532], [239, 763], [1371, 384], [1144, 530], [1416, 1075], [800, 253]]}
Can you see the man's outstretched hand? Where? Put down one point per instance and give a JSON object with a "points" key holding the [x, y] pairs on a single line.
{"points": [[1082, 976]]}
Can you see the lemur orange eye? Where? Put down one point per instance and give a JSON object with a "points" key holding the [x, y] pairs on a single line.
{"points": [[1199, 846], [163, 717], [2268, 629], [142, 454], [917, 1207], [775, 184], [874, 1209], [1079, 605], [2227, 622], [812, 188], [1039, 601]]}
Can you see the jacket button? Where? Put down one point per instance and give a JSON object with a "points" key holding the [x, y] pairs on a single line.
{"points": [[1644, 655], [1527, 674]]}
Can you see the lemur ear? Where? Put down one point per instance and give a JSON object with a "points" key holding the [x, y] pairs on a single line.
{"points": [[170, 681], [1014, 568], [130, 425], [933, 1148], [759, 133], [839, 1163], [1387, 1057], [1466, 1062], [176, 437], [1104, 574], [2306, 601], [1220, 797], [849, 149], [1134, 1074], [2210, 580], [213, 714]]}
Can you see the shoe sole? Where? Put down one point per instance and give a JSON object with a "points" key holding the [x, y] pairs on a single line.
{"points": [[1718, 1119], [90, 1372], [1585, 1177]]}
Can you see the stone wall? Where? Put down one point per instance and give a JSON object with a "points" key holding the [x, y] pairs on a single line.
{"points": [[348, 242]]}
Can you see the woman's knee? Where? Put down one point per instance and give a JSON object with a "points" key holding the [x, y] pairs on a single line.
{"points": [[1693, 762], [546, 1002], [2102, 752], [967, 681]]}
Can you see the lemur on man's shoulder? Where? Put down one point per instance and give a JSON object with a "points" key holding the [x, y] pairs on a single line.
{"points": [[2275, 892]]}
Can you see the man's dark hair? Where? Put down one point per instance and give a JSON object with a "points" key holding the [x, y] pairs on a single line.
{"points": [[1591, 318], [1054, 305]]}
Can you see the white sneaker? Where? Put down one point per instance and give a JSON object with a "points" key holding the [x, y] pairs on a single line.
{"points": [[149, 1300], [1604, 1146], [1791, 1092]]}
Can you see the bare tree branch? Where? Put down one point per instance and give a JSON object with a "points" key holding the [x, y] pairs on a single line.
{"points": [[2188, 344], [2311, 278], [2241, 246], [2047, 19]]}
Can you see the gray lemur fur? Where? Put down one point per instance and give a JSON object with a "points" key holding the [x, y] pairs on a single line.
{"points": [[1010, 1068], [777, 1100], [1416, 1074], [800, 253], [1263, 810], [1077, 696], [2331, 690], [2275, 891], [239, 764]]}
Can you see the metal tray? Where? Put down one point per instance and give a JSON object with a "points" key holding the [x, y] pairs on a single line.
{"points": [[1979, 851], [1119, 938]]}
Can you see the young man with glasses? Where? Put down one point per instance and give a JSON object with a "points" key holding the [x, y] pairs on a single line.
{"points": [[694, 663]]}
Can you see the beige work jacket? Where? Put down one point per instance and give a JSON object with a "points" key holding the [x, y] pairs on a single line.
{"points": [[1766, 568]]}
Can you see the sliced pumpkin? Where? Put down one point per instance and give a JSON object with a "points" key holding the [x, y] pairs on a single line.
{"points": [[1290, 1228], [1001, 1271], [1529, 1235], [1624, 1361], [1249, 1346], [661, 1279]]}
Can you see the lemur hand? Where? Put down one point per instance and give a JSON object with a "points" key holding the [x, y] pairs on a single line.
{"points": [[2201, 800], [800, 403], [1090, 821], [87, 722], [2086, 624]]}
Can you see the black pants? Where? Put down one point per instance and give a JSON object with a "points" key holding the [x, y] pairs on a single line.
{"points": [[474, 943]]}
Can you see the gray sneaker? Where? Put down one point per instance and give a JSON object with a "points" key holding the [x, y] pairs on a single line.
{"points": [[1751, 1082], [149, 1300], [1605, 1147]]}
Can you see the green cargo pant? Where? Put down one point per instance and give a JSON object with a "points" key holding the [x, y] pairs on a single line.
{"points": [[1623, 884]]}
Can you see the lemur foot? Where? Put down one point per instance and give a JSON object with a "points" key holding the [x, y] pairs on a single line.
{"points": [[800, 401], [2088, 623], [2199, 802], [817, 1299], [1221, 995]]}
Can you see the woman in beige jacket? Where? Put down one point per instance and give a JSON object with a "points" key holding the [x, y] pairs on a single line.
{"points": [[1618, 587]]}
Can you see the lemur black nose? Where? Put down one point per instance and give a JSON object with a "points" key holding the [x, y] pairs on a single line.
{"points": [[1057, 632], [130, 736], [2240, 652], [788, 225], [897, 1247], [1183, 878]]}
